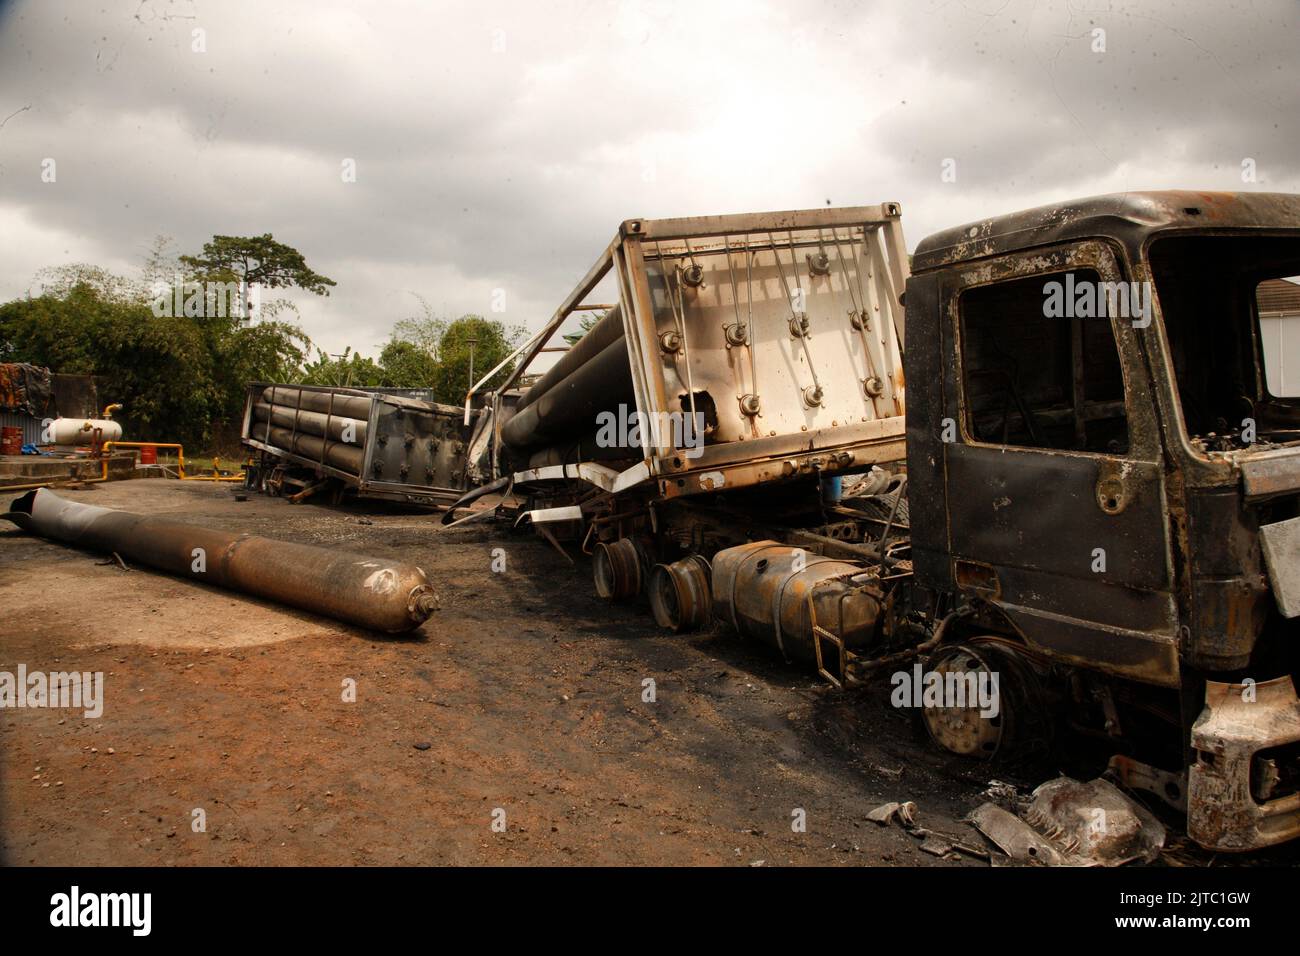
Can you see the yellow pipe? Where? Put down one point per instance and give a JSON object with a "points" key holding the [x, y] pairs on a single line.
{"points": [[103, 474], [180, 456]]}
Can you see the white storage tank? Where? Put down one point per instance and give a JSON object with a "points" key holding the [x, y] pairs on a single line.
{"points": [[80, 431]]}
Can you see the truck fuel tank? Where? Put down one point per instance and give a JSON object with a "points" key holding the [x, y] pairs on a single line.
{"points": [[763, 590]]}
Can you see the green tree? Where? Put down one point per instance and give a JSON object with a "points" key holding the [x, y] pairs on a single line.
{"points": [[487, 340], [348, 370], [179, 378], [586, 323], [160, 369], [255, 261], [406, 365]]}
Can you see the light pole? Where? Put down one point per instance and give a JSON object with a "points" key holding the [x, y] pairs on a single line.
{"points": [[472, 342]]}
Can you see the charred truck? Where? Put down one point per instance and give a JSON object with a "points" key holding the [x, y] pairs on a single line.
{"points": [[1087, 483]]}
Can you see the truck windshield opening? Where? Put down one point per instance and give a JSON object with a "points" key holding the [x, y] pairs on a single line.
{"points": [[1231, 312]]}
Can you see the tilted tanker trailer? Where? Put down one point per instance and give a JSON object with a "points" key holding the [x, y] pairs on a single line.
{"points": [[1087, 485], [371, 443]]}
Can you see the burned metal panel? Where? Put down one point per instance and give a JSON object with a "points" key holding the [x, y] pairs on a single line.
{"points": [[1129, 217], [926, 449], [1280, 543], [1270, 475], [1039, 510], [1230, 599], [414, 446], [1240, 736]]}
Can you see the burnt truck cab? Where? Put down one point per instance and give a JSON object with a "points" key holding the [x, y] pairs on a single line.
{"points": [[1104, 466]]}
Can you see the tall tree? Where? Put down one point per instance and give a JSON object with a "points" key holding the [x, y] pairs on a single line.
{"points": [[488, 342], [406, 365], [255, 261]]}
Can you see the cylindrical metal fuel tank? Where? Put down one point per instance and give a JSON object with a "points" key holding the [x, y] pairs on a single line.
{"points": [[376, 593], [81, 431], [561, 407], [762, 590]]}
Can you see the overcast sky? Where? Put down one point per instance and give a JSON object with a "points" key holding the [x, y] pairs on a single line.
{"points": [[498, 145]]}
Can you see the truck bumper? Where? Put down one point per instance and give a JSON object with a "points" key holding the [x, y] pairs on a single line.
{"points": [[1235, 798]]}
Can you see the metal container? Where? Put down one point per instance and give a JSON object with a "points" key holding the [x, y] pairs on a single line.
{"points": [[380, 445], [679, 594], [81, 431], [376, 593], [763, 589]]}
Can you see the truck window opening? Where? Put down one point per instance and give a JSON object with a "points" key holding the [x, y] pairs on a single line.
{"points": [[1209, 290], [1039, 380]]}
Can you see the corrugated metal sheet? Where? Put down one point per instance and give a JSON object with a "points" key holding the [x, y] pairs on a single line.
{"points": [[1278, 295], [31, 426]]}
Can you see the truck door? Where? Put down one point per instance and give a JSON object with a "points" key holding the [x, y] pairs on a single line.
{"points": [[1054, 485]]}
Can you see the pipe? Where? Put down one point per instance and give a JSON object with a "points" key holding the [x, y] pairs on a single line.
{"points": [[471, 496], [374, 593], [599, 337]]}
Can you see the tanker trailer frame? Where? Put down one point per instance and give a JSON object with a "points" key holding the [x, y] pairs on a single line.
{"points": [[364, 442], [780, 334], [748, 364]]}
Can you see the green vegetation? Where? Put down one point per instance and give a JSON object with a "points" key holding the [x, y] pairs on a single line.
{"points": [[179, 358]]}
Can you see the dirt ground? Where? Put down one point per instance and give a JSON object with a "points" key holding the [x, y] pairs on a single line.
{"points": [[523, 694]]}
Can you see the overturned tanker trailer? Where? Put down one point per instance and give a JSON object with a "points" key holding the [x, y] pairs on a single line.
{"points": [[1096, 515], [371, 443]]}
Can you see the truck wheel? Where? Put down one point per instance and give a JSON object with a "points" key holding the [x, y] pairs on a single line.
{"points": [[990, 698], [616, 569]]}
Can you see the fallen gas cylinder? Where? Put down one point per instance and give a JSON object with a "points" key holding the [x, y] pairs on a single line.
{"points": [[373, 592]]}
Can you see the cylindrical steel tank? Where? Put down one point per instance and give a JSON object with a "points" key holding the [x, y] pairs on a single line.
{"points": [[561, 407], [81, 431], [376, 593], [337, 402], [340, 428], [762, 590], [345, 457]]}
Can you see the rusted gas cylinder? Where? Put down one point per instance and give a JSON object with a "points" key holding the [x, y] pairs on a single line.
{"points": [[377, 593], [11, 441], [762, 590]]}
